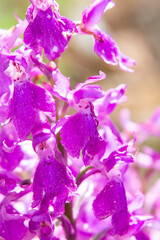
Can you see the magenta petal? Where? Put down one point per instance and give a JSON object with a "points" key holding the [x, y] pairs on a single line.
{"points": [[41, 225], [112, 201], [118, 155], [13, 229], [8, 181], [90, 92], [125, 63], [11, 225], [115, 133], [11, 158], [21, 110], [120, 221], [112, 98], [41, 129], [91, 79], [62, 85], [46, 233], [26, 101], [10, 161], [140, 235], [59, 204], [95, 148], [42, 100], [107, 49], [48, 31], [37, 139], [51, 180], [76, 132], [92, 15], [3, 112]]}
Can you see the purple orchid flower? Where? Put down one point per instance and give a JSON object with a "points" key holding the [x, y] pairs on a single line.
{"points": [[12, 225], [92, 15], [53, 181], [48, 30], [112, 201], [77, 131], [81, 128], [105, 47], [41, 225], [27, 100]]}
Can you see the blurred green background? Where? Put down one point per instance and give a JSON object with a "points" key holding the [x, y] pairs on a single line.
{"points": [[135, 26]]}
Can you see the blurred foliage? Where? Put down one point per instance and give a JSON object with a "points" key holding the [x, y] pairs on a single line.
{"points": [[7, 10]]}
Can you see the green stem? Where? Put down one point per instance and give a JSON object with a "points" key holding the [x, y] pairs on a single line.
{"points": [[82, 172]]}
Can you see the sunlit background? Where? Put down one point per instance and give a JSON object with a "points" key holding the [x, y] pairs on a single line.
{"points": [[135, 26]]}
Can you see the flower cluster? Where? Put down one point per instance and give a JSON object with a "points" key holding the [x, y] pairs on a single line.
{"points": [[62, 176]]}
